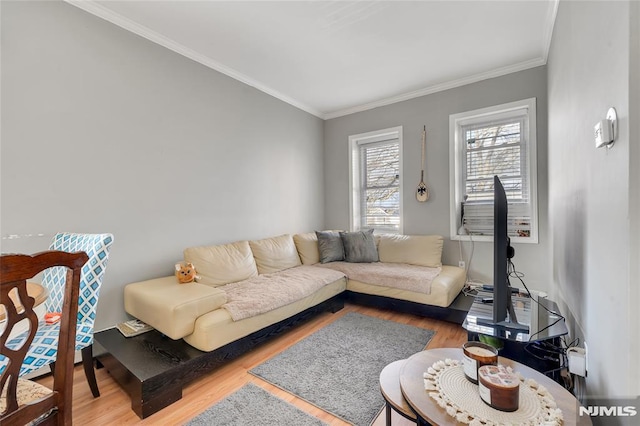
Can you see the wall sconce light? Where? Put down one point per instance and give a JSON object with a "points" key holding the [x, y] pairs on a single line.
{"points": [[605, 131]]}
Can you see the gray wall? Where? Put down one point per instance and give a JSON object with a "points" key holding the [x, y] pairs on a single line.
{"points": [[432, 217], [104, 131], [593, 193]]}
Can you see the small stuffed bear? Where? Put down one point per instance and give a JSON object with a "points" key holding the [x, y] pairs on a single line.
{"points": [[185, 272]]}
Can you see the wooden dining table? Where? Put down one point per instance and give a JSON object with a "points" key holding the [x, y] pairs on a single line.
{"points": [[35, 290]]}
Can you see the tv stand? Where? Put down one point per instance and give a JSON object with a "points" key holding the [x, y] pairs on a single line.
{"points": [[508, 325], [511, 323], [545, 327]]}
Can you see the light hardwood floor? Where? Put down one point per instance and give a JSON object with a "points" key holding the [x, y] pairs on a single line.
{"points": [[113, 406]]}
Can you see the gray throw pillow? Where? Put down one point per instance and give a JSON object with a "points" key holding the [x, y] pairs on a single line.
{"points": [[330, 246], [359, 247]]}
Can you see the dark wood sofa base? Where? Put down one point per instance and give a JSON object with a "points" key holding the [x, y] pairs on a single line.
{"points": [[456, 312], [153, 368]]}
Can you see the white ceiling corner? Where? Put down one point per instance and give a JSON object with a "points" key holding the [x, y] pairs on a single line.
{"points": [[333, 58]]}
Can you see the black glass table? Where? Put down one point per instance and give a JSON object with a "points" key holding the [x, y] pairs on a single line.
{"points": [[539, 348]]}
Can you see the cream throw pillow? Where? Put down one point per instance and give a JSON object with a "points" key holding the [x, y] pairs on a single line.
{"points": [[421, 250], [222, 264], [275, 254], [307, 246]]}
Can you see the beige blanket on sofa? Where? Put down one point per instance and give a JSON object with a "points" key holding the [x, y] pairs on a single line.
{"points": [[394, 275], [267, 292]]}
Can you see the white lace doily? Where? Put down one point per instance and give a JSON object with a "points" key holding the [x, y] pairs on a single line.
{"points": [[447, 385]]}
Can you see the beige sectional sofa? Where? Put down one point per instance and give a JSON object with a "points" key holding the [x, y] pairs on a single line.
{"points": [[246, 286]]}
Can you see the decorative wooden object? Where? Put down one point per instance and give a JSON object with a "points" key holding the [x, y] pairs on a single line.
{"points": [[422, 193]]}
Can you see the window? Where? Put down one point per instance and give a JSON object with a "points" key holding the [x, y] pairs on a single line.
{"points": [[376, 187], [500, 141]]}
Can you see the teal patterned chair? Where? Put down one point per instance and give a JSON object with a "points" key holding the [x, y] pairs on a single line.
{"points": [[43, 349]]}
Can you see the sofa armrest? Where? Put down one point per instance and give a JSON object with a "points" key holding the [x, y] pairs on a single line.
{"points": [[170, 307]]}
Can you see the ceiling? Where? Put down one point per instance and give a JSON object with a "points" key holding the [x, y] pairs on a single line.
{"points": [[332, 58]]}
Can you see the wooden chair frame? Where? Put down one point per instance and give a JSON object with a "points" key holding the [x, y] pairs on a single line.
{"points": [[15, 270]]}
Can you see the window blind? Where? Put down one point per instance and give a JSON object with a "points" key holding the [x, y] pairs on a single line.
{"points": [[496, 148], [380, 192]]}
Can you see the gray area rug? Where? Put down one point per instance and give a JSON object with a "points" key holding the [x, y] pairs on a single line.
{"points": [[253, 406], [338, 367]]}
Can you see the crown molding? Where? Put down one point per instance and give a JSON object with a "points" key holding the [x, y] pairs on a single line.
{"points": [[102, 12], [439, 87], [548, 35]]}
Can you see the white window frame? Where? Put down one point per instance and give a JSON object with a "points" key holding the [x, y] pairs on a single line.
{"points": [[355, 174], [457, 159]]}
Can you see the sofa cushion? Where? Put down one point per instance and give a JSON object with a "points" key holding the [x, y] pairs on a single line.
{"points": [[267, 292], [307, 246], [444, 288], [222, 264], [330, 246], [359, 246], [393, 275], [275, 254], [422, 250]]}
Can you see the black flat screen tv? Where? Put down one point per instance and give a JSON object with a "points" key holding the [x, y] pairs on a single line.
{"points": [[503, 312]]}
